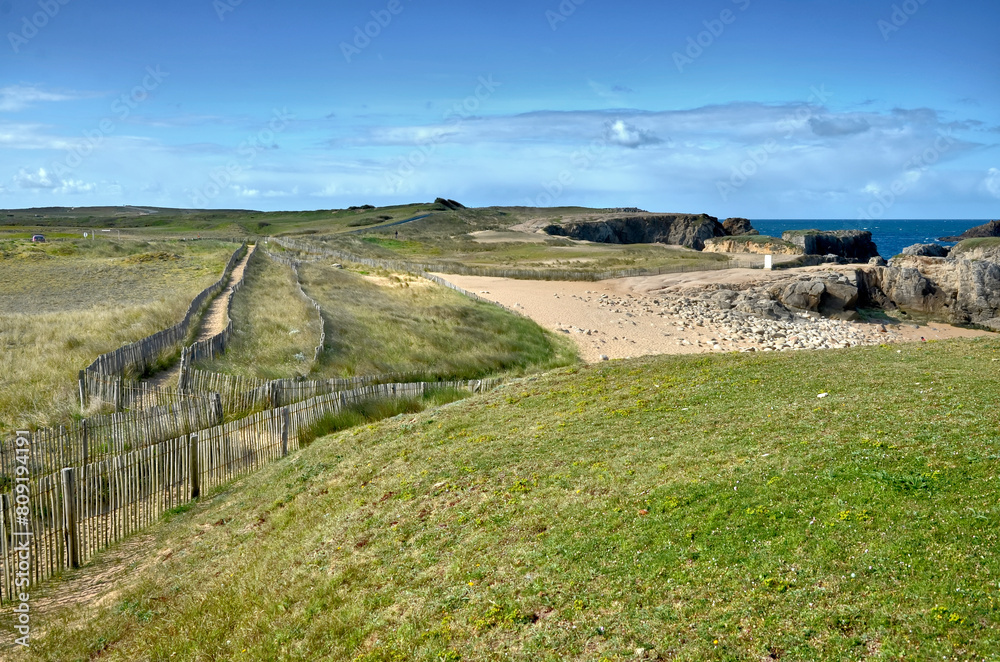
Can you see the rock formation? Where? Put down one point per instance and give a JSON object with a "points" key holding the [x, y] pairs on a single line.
{"points": [[851, 244], [927, 250], [677, 229], [955, 290], [738, 226], [450, 204], [991, 229], [757, 244]]}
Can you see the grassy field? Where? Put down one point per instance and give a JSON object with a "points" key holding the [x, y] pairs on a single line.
{"points": [[226, 223], [384, 322], [688, 508], [276, 330], [63, 303], [552, 254]]}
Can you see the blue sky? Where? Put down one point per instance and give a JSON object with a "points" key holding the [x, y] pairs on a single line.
{"points": [[757, 108]]}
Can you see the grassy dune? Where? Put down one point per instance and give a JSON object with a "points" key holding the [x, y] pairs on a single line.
{"points": [[697, 508], [276, 330], [385, 322], [64, 303]]}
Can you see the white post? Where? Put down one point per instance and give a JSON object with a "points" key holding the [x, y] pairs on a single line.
{"points": [[768, 262]]}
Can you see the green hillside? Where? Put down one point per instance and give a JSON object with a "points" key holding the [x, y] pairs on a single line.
{"points": [[688, 508]]}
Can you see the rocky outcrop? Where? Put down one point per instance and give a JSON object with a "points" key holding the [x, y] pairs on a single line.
{"points": [[954, 290], [449, 204], [854, 245], [977, 250], [991, 229], [756, 244], [927, 250], [828, 294], [735, 227], [676, 229]]}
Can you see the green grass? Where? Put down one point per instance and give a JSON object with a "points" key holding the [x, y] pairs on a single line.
{"points": [[701, 508], [64, 303], [967, 245], [385, 322], [276, 331], [376, 410]]}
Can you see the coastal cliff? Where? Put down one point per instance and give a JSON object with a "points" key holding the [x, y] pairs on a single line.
{"points": [[851, 244], [687, 230]]}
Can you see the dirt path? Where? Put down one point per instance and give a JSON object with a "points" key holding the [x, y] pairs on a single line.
{"points": [[622, 319], [212, 322]]}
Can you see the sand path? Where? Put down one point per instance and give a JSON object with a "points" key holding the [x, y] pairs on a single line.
{"points": [[213, 322], [622, 318]]}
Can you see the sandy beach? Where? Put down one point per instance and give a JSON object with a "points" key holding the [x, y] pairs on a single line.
{"points": [[632, 317]]}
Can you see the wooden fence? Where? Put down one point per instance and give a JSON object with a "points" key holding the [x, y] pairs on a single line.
{"points": [[139, 356], [502, 272], [241, 394], [72, 505], [294, 265], [123, 394], [217, 344], [109, 435]]}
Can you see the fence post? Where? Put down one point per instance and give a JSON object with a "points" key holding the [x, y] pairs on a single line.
{"points": [[83, 389], [193, 463], [183, 371], [69, 516], [284, 431], [85, 443], [217, 404]]}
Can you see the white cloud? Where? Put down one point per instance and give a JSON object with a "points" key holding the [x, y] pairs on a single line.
{"points": [[19, 97], [43, 180], [992, 182], [34, 180], [628, 135], [76, 187]]}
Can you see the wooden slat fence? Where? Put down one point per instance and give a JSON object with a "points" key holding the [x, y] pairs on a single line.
{"points": [[217, 344], [78, 505], [139, 356], [127, 395], [241, 394], [109, 435], [294, 265]]}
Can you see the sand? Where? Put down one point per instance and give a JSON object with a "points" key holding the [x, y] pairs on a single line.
{"points": [[637, 326]]}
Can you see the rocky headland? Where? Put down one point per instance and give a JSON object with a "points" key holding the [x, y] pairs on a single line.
{"points": [[855, 245], [991, 229], [751, 243], [686, 230]]}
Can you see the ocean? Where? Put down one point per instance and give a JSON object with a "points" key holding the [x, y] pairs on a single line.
{"points": [[891, 236]]}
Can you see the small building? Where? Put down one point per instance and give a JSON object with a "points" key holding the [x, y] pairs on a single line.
{"points": [[38, 239]]}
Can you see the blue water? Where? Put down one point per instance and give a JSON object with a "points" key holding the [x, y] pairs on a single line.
{"points": [[891, 237]]}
